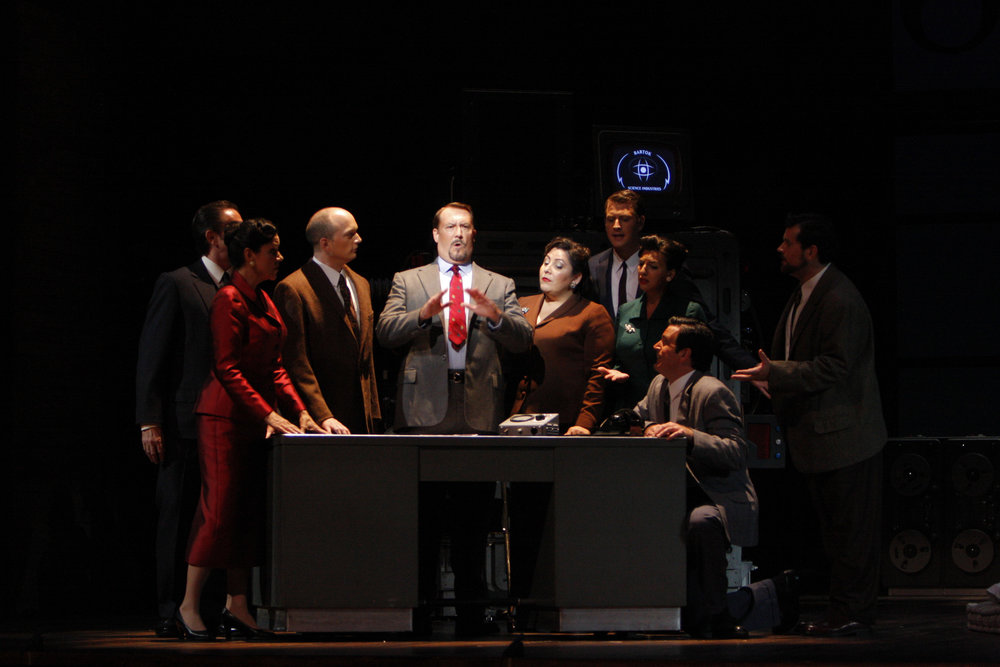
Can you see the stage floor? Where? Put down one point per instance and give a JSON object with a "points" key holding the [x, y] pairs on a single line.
{"points": [[924, 631]]}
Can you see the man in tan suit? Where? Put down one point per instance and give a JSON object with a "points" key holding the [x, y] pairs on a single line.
{"points": [[452, 318], [327, 308]]}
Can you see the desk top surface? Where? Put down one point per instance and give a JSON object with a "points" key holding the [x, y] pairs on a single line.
{"points": [[477, 441]]}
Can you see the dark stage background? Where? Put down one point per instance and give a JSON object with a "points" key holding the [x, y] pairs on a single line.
{"points": [[128, 116]]}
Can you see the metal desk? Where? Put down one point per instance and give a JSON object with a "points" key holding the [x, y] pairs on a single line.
{"points": [[342, 526]]}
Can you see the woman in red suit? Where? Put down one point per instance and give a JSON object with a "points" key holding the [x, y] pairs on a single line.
{"points": [[573, 337], [235, 411]]}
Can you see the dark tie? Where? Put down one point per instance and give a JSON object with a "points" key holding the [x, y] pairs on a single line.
{"points": [[456, 311], [345, 294], [794, 312], [623, 286], [226, 279], [665, 399], [790, 325]]}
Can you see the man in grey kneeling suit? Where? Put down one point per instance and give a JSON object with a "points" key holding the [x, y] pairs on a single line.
{"points": [[684, 402]]}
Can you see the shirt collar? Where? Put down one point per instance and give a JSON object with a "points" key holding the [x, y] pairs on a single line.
{"points": [[678, 385], [213, 269], [444, 266], [809, 285], [632, 262], [331, 273]]}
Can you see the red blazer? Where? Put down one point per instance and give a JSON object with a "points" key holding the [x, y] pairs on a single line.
{"points": [[248, 378]]}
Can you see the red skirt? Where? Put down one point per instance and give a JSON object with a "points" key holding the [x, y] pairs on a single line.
{"points": [[228, 527]]}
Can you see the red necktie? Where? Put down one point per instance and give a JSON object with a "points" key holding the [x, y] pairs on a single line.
{"points": [[456, 312]]}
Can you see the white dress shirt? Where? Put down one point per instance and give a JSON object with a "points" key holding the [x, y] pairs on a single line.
{"points": [[631, 277], [334, 276], [214, 270]]}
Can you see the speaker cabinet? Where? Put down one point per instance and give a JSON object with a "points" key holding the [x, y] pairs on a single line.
{"points": [[913, 513], [972, 525]]}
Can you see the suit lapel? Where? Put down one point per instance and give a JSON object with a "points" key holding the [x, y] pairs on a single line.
{"points": [[607, 301], [566, 306], [822, 287], [687, 419], [533, 304], [364, 302], [684, 408], [326, 293], [778, 343], [257, 301], [663, 404], [203, 283], [481, 280], [430, 279]]}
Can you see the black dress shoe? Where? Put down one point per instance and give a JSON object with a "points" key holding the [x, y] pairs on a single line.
{"points": [[828, 629], [166, 628], [721, 626], [787, 586], [187, 634], [729, 630], [230, 626]]}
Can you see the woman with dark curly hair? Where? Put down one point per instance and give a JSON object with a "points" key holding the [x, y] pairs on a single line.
{"points": [[641, 322], [573, 338], [235, 411]]}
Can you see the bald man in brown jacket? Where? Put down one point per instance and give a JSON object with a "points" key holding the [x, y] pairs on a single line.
{"points": [[327, 309]]}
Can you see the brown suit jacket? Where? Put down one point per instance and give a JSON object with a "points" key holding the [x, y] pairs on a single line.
{"points": [[561, 369], [332, 368]]}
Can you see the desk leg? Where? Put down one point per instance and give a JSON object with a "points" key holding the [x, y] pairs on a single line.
{"points": [[342, 552], [619, 554]]}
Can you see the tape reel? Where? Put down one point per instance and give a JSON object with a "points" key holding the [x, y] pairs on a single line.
{"points": [[910, 474], [972, 551], [910, 551], [972, 474]]}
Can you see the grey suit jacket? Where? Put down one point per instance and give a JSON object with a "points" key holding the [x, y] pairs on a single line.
{"points": [[717, 455], [826, 393], [175, 350], [423, 377]]}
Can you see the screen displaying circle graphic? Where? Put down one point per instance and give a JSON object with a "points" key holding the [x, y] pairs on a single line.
{"points": [[644, 170]]}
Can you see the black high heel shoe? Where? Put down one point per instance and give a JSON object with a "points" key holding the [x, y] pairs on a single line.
{"points": [[230, 626], [186, 633]]}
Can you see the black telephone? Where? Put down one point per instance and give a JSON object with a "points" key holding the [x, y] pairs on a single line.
{"points": [[621, 422]]}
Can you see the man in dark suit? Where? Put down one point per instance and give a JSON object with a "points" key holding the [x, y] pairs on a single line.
{"points": [[175, 357], [328, 311], [615, 271], [821, 376], [452, 319], [682, 401]]}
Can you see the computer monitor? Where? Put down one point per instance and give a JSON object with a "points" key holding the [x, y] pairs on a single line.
{"points": [[654, 163]]}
